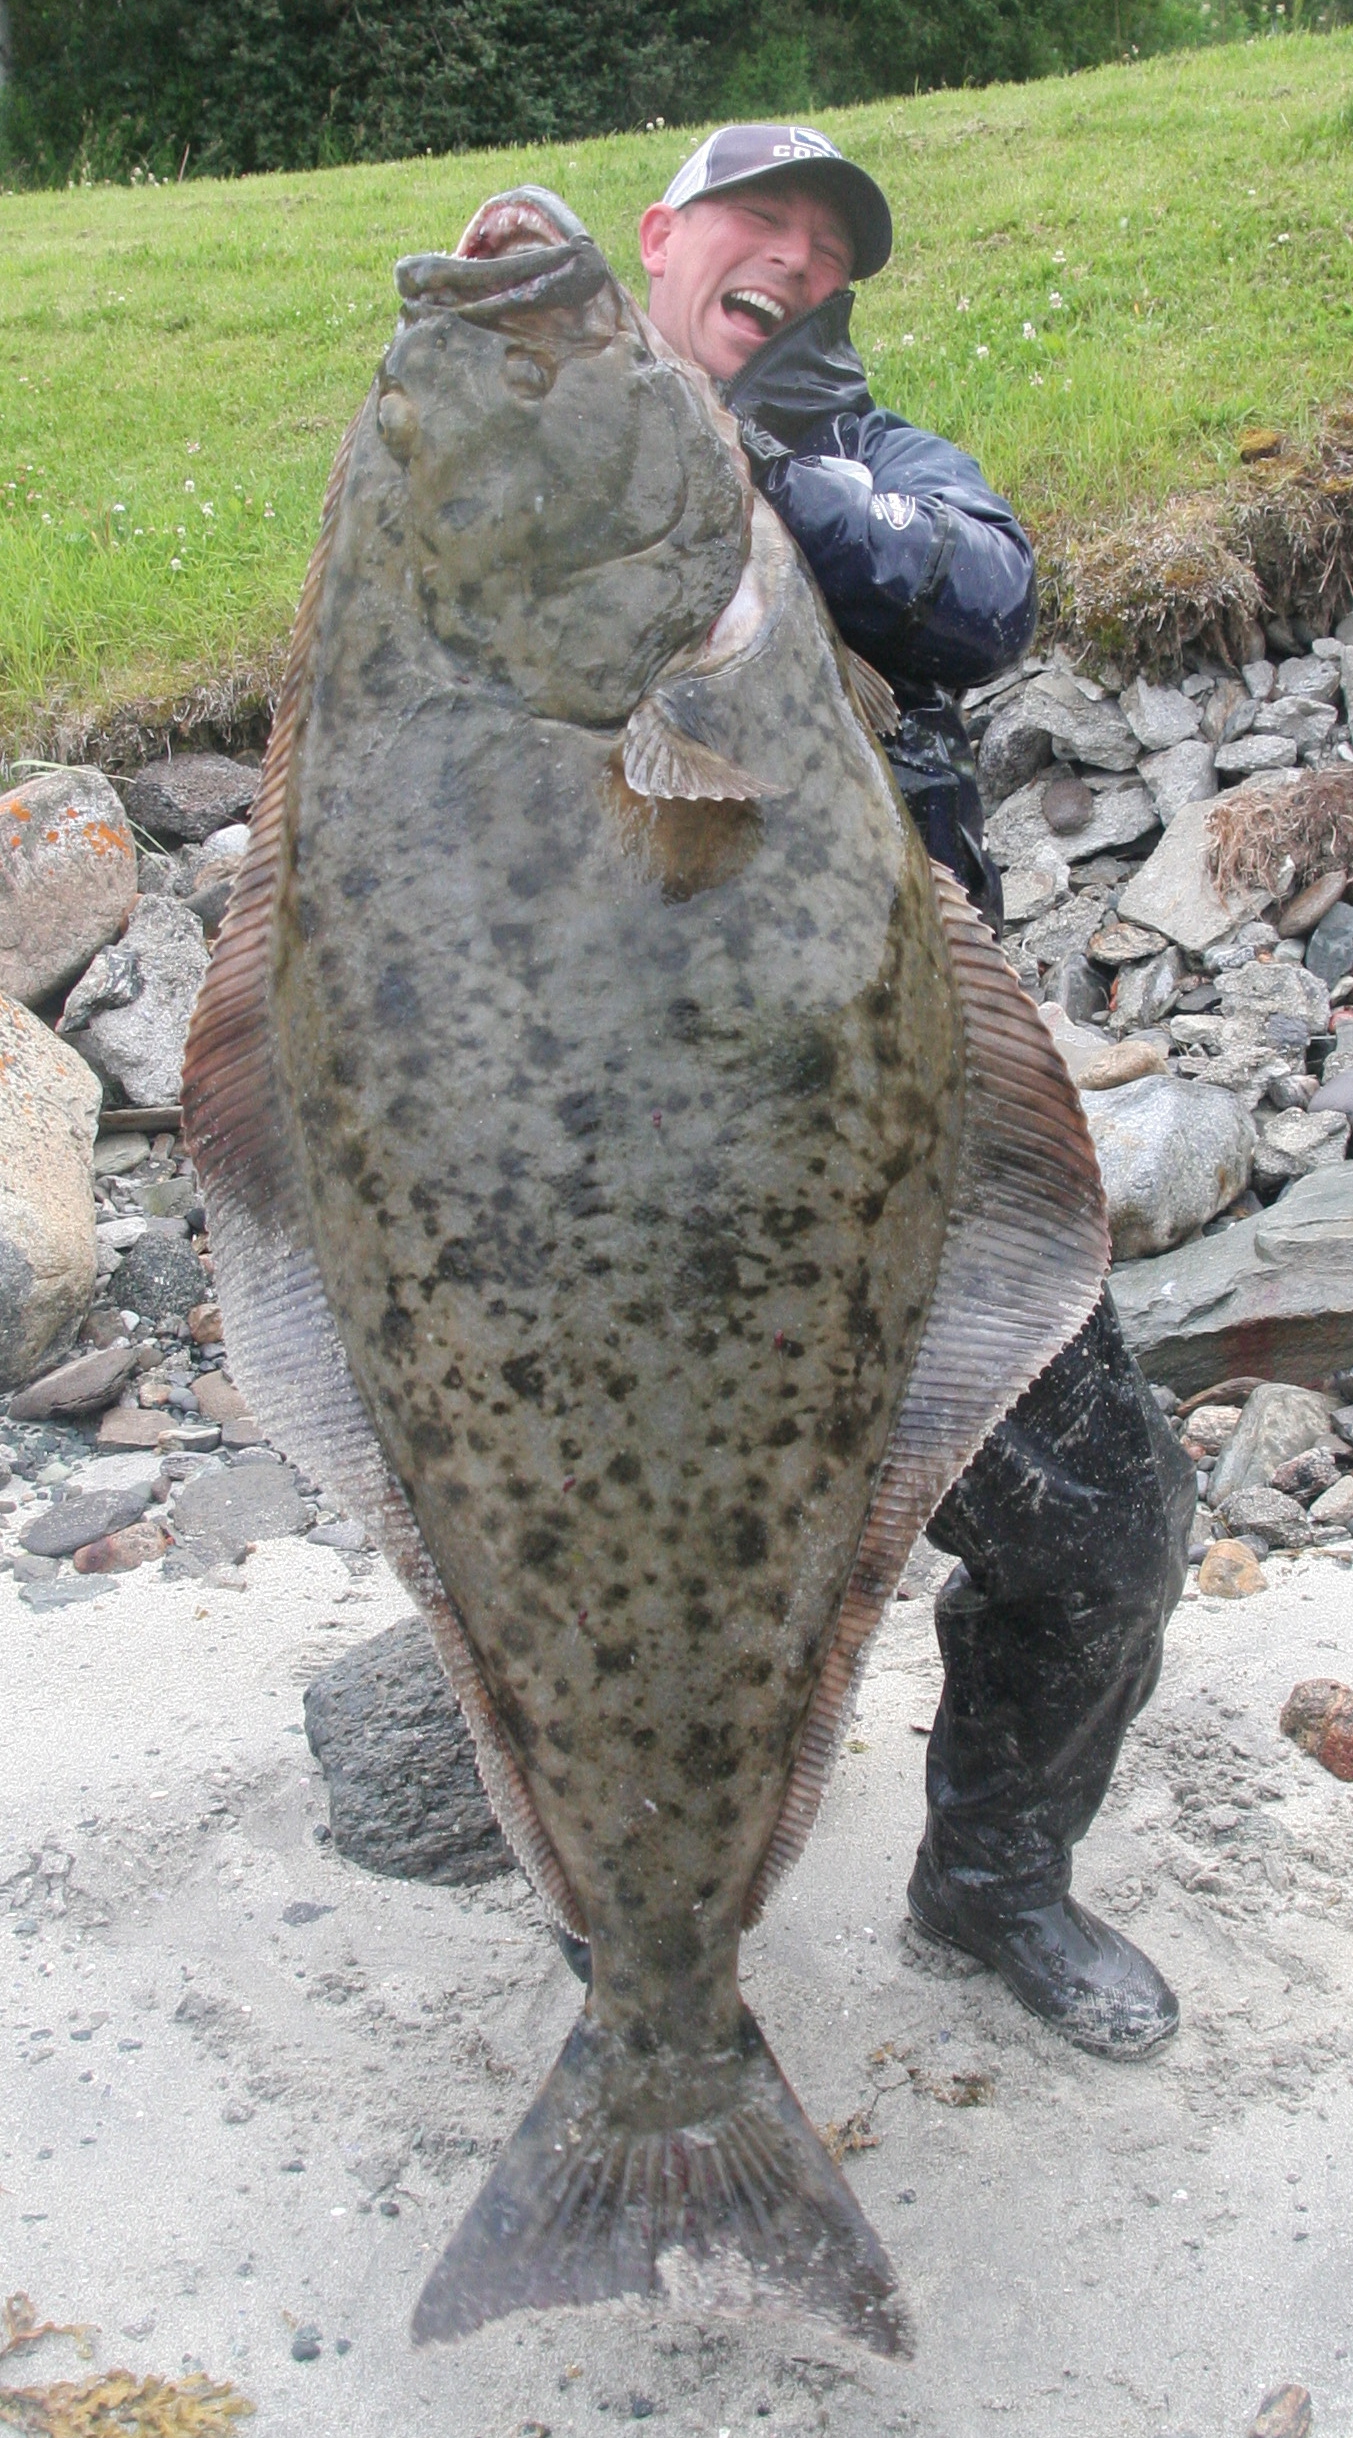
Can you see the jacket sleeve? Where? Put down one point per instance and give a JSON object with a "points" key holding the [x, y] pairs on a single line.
{"points": [[924, 568]]}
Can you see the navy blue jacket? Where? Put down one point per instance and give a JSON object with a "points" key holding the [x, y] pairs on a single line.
{"points": [[925, 570]]}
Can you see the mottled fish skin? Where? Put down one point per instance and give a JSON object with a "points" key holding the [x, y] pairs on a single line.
{"points": [[668, 1169], [629, 1193]]}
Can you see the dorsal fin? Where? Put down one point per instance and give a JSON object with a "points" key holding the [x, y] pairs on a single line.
{"points": [[284, 1348], [1024, 1259], [876, 697]]}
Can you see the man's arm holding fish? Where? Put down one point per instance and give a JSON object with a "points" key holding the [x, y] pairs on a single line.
{"points": [[913, 551]]}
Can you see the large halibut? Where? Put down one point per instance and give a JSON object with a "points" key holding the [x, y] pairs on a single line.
{"points": [[636, 1184]]}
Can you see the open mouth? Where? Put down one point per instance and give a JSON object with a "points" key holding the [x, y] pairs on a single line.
{"points": [[522, 250], [754, 310]]}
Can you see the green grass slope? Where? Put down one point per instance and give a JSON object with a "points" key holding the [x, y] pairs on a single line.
{"points": [[1098, 282]]}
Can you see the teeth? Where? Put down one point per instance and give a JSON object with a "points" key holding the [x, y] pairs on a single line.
{"points": [[759, 302]]}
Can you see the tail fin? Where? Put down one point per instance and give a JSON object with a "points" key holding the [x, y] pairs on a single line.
{"points": [[738, 2208]]}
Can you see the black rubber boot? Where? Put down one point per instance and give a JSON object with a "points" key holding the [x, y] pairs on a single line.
{"points": [[577, 1954], [1072, 1523], [1065, 1965]]}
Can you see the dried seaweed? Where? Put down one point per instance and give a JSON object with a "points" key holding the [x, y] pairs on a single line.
{"points": [[1276, 542], [115, 2404], [1254, 831], [118, 2405]]}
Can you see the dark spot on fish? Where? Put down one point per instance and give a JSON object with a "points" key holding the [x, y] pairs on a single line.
{"points": [[456, 514], [699, 1618], [359, 882], [683, 1019], [726, 1813], [520, 1490], [625, 1466], [518, 1639], [397, 1330], [345, 1067], [618, 1384], [613, 1658], [479, 1441], [802, 1274], [560, 1735], [644, 1738], [785, 1225], [396, 1001], [541, 1047], [782, 1434], [616, 1595], [428, 1438], [747, 1538], [579, 1113], [842, 1427], [538, 1547], [708, 1752], [453, 1377], [525, 1377]]}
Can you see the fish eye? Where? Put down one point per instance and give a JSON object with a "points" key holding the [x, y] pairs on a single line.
{"points": [[529, 375], [397, 417]]}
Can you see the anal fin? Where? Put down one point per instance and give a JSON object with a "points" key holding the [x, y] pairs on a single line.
{"points": [[876, 697], [737, 2208]]}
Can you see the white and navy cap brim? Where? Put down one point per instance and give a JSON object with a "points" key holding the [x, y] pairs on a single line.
{"points": [[735, 156]]}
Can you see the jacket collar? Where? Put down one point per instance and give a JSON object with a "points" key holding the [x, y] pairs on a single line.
{"points": [[804, 375]]}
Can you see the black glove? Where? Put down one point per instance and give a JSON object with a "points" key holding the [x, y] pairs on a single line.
{"points": [[762, 452]]}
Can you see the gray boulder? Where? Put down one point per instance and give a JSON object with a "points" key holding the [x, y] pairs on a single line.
{"points": [[1015, 747], [1116, 817], [1307, 724], [1278, 1422], [67, 879], [1329, 951], [129, 1016], [187, 796], [161, 1277], [1314, 676], [1244, 754], [1159, 716], [1145, 994], [1175, 893], [1036, 883], [1293, 1142], [1171, 1154], [1186, 774], [1081, 730], [1282, 1522], [404, 1794], [1272, 1294], [49, 1109], [1253, 995]]}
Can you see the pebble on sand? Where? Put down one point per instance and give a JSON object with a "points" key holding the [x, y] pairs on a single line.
{"points": [[1230, 1571], [1284, 2413], [1318, 1716]]}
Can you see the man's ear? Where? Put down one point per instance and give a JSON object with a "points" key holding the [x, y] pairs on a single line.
{"points": [[655, 230]]}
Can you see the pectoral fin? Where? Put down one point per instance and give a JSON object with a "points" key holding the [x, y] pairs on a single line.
{"points": [[876, 697], [664, 758]]}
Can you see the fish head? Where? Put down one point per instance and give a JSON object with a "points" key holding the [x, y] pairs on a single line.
{"points": [[575, 508]]}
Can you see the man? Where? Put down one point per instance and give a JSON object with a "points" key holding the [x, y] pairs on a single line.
{"points": [[1071, 1523]]}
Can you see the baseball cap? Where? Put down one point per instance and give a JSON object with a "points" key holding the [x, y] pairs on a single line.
{"points": [[735, 156]]}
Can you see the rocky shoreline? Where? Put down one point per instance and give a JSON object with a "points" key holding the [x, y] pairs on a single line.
{"points": [[1176, 863]]}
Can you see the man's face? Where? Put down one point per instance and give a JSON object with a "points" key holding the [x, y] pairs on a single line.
{"points": [[727, 271]]}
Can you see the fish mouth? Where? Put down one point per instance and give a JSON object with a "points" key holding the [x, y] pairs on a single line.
{"points": [[765, 313], [521, 249]]}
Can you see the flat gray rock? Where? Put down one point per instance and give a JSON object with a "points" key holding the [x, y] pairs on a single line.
{"points": [[404, 1794], [186, 797], [82, 1387], [1329, 951], [1272, 1295], [1244, 754], [74, 1522], [48, 1248], [1083, 731], [1175, 893], [1171, 1154], [129, 1016], [1159, 716], [1016, 745], [219, 1512], [1183, 774], [1313, 675], [1282, 1522], [1278, 1422]]}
